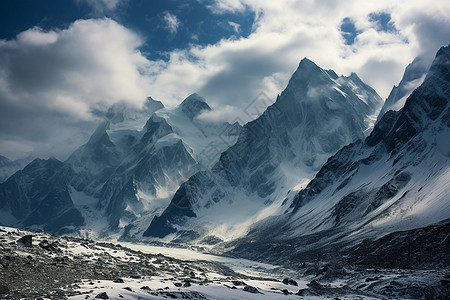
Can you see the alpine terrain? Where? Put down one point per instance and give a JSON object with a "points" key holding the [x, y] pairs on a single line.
{"points": [[382, 201], [125, 174], [275, 156]]}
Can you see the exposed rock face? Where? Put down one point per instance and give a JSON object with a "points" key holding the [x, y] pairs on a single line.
{"points": [[394, 180], [102, 295], [26, 241], [193, 105], [39, 195], [413, 77], [122, 177], [315, 116]]}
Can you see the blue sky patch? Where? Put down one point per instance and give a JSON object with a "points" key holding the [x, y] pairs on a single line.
{"points": [[349, 31], [383, 21], [197, 24]]}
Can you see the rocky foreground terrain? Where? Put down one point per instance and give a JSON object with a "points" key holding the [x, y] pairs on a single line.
{"points": [[45, 266]]}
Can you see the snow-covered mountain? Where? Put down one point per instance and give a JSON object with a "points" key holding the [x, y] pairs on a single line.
{"points": [[124, 175], [9, 167], [39, 197], [413, 77], [397, 179], [317, 114]]}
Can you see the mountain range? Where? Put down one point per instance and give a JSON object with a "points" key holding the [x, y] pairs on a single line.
{"points": [[327, 168], [317, 114], [381, 194]]}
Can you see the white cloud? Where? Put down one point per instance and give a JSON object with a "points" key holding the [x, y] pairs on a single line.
{"points": [[224, 6], [101, 7], [51, 81], [225, 114], [56, 77], [236, 27], [171, 22], [233, 71]]}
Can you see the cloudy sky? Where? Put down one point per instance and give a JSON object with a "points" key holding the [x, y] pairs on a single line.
{"points": [[62, 61]]}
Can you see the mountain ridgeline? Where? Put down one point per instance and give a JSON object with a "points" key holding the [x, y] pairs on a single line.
{"points": [[311, 176], [317, 114], [125, 174], [394, 182]]}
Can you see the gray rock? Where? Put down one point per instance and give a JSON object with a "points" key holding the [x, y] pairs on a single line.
{"points": [[289, 281], [103, 295], [49, 246], [3, 288], [251, 289], [26, 240]]}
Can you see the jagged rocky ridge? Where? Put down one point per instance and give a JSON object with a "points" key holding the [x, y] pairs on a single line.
{"points": [[127, 171], [413, 77], [394, 180], [9, 167], [317, 114]]}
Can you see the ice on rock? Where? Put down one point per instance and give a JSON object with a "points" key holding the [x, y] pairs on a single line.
{"points": [[317, 114]]}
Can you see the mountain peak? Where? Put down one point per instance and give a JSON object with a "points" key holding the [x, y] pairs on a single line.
{"points": [[153, 105], [439, 67], [194, 97], [412, 78], [354, 77], [443, 51], [307, 65], [193, 105]]}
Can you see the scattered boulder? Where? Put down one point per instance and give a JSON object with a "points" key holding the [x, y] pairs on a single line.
{"points": [[315, 285], [238, 282], [26, 241], [53, 247], [369, 279], [230, 287], [146, 288], [301, 292], [118, 280], [286, 292], [251, 289], [3, 288], [103, 295], [289, 281], [186, 284], [178, 284], [331, 271], [128, 288]]}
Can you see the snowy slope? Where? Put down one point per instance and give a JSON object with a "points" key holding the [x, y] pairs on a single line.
{"points": [[316, 114], [109, 144], [38, 197], [395, 180], [164, 154], [74, 268], [125, 174], [199, 135]]}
